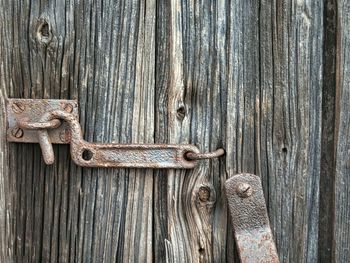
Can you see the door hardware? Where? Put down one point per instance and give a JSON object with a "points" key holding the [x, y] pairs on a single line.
{"points": [[249, 219], [56, 121]]}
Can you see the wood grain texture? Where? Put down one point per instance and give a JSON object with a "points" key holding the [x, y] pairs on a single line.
{"points": [[238, 74], [5, 255], [291, 38], [341, 251], [191, 110], [266, 62], [328, 146], [101, 53]]}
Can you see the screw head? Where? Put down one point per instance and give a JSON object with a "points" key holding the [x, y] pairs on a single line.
{"points": [[18, 107], [17, 132], [244, 190], [65, 135], [67, 107]]}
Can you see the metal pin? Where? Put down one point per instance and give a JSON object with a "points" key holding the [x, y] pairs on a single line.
{"points": [[46, 147]]}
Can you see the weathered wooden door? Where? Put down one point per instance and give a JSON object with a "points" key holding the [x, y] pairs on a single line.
{"points": [[266, 80]]}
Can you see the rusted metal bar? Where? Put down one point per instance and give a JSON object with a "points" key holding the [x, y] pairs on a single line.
{"points": [[249, 218], [121, 155], [39, 125], [44, 117]]}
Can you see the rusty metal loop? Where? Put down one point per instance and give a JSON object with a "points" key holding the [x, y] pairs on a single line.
{"points": [[51, 124], [198, 156], [50, 119]]}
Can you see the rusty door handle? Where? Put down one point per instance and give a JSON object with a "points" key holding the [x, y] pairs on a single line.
{"points": [[249, 218], [56, 121]]}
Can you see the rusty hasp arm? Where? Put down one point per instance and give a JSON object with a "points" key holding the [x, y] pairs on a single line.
{"points": [[39, 120], [249, 218]]}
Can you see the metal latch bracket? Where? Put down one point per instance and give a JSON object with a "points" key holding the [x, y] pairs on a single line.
{"points": [[56, 121], [31, 110]]}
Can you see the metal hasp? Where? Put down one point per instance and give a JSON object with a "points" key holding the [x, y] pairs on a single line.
{"points": [[249, 218], [56, 121]]}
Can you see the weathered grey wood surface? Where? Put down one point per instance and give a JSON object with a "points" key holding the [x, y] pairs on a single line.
{"points": [[102, 54], [244, 75], [4, 193], [289, 116], [342, 180]]}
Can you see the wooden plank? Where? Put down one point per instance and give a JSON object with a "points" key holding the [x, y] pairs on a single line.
{"points": [[265, 64], [242, 79], [101, 53], [341, 251], [6, 198], [327, 170], [289, 130], [191, 223], [5, 203]]}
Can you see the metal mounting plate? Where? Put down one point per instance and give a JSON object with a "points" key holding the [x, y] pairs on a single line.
{"points": [[33, 109]]}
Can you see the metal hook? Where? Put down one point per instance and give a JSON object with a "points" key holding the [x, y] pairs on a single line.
{"points": [[198, 156]]}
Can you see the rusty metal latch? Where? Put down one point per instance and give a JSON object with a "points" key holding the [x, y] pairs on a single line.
{"points": [[56, 121], [249, 218]]}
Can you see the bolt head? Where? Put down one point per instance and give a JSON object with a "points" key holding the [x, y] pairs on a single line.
{"points": [[67, 107], [18, 107], [17, 132], [244, 190], [65, 135]]}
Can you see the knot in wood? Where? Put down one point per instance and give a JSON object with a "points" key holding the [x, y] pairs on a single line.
{"points": [[43, 32], [204, 193], [181, 113]]}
